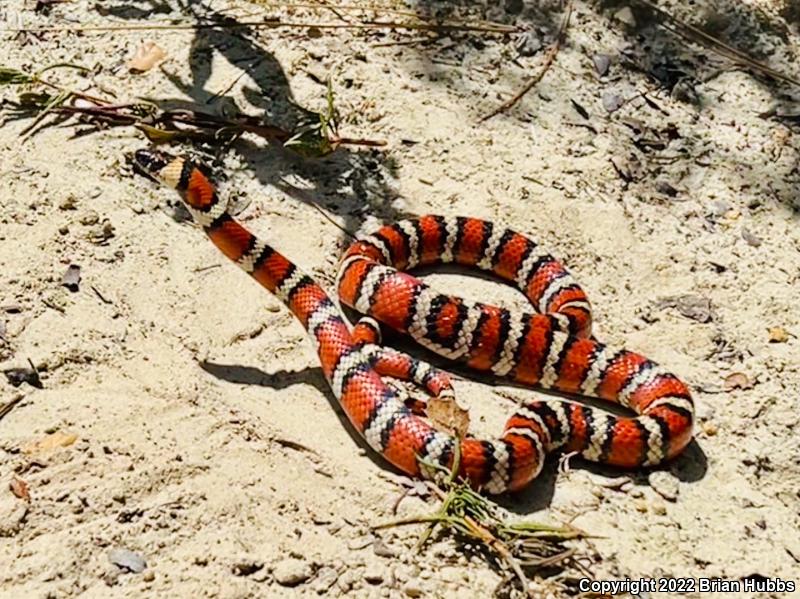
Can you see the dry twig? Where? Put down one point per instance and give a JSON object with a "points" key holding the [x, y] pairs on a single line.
{"points": [[548, 61], [516, 544]]}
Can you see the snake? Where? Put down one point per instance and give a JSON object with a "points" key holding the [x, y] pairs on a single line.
{"points": [[550, 346]]}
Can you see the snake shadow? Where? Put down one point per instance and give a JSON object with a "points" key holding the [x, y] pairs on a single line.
{"points": [[250, 375], [348, 182], [690, 466]]}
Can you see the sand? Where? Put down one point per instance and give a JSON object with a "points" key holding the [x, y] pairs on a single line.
{"points": [[206, 440]]}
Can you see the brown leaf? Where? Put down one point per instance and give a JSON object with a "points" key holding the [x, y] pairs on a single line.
{"points": [[20, 488], [50, 442], [146, 57], [778, 335], [447, 416], [738, 380]]}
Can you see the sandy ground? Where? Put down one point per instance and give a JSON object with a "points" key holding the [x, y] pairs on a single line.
{"points": [[187, 387]]}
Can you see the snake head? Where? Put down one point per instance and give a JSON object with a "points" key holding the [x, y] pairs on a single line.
{"points": [[159, 166], [151, 162]]}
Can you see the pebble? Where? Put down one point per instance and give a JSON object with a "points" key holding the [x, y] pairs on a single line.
{"points": [[413, 589], [127, 560], [751, 239], [246, 567], [291, 572], [664, 484], [12, 516], [374, 573], [347, 580], [68, 203], [704, 410], [381, 549], [612, 102], [625, 15], [710, 428], [658, 508], [602, 62], [90, 217], [325, 579]]}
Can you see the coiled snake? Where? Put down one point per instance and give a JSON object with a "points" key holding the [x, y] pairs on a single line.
{"points": [[550, 347]]}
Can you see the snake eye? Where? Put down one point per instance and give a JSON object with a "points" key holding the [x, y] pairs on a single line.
{"points": [[151, 162]]}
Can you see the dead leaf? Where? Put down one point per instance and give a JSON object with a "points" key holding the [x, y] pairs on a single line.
{"points": [[17, 376], [146, 57], [778, 335], [20, 488], [738, 380], [50, 442], [157, 135], [447, 416]]}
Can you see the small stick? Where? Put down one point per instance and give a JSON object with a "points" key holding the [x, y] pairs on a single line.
{"points": [[7, 407], [100, 295], [548, 61], [498, 28]]}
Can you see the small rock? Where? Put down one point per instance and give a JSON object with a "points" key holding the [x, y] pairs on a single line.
{"points": [[612, 102], [640, 505], [246, 567], [90, 217], [149, 576], [72, 277], [101, 233], [413, 589], [325, 579], [709, 428], [291, 572], [737, 380], [659, 508], [12, 516], [664, 484], [666, 189], [719, 208], [348, 580], [374, 573], [528, 43], [381, 549], [751, 239], [68, 203], [127, 560], [704, 410], [602, 62], [625, 15]]}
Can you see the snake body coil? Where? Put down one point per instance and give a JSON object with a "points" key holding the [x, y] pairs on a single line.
{"points": [[550, 348]]}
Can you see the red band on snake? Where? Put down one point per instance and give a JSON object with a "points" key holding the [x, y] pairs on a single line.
{"points": [[549, 347]]}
